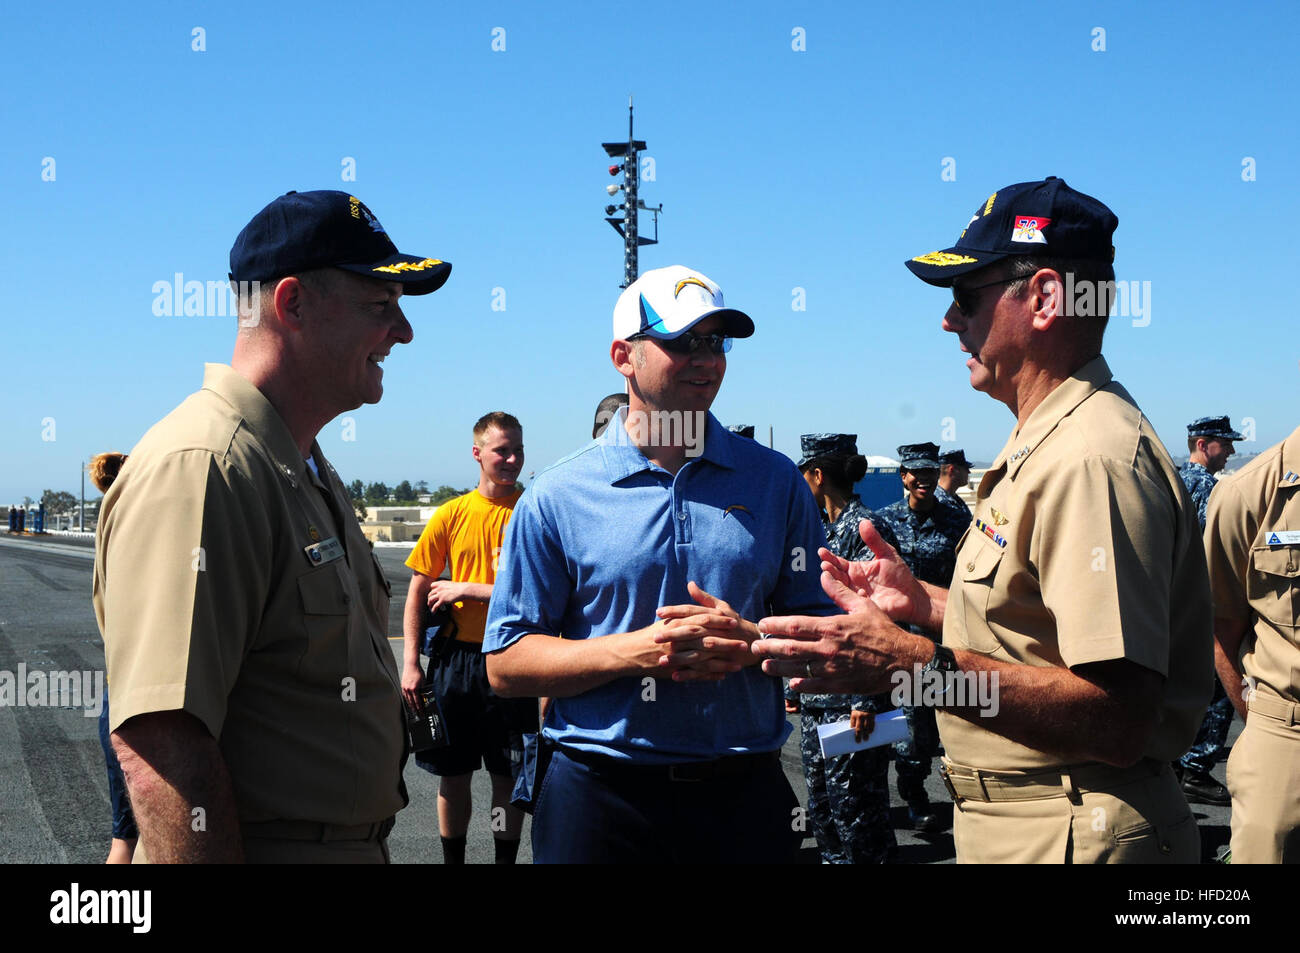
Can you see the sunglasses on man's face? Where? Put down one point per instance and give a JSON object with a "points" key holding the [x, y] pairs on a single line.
{"points": [[965, 299], [688, 342]]}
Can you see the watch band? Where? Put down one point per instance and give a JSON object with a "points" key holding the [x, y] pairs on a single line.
{"points": [[943, 661]]}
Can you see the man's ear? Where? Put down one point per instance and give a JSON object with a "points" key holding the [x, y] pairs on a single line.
{"points": [[620, 352], [477, 452], [289, 302], [1046, 298]]}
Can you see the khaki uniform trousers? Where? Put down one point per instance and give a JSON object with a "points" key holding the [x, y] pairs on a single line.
{"points": [[1264, 780], [1080, 814]]}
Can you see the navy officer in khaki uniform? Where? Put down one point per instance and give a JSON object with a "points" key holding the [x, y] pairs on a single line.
{"points": [[1081, 584], [1252, 541], [256, 706]]}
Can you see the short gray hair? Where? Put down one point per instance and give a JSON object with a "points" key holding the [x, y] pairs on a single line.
{"points": [[319, 280]]}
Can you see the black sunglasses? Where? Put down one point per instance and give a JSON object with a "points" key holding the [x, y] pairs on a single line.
{"points": [[688, 342], [966, 304]]}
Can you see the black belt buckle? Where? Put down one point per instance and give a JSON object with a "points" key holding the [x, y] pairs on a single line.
{"points": [[690, 771], [731, 766]]}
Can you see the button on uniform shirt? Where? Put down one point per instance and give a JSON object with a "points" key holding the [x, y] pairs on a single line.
{"points": [[604, 538], [1199, 482], [1084, 549], [927, 541], [1252, 540], [233, 583]]}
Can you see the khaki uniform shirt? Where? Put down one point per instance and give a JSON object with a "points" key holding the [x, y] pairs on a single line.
{"points": [[1085, 548], [1254, 555], [210, 601]]}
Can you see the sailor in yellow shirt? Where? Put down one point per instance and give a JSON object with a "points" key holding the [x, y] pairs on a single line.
{"points": [[484, 730]]}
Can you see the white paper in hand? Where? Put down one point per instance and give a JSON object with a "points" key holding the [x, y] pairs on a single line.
{"points": [[837, 738]]}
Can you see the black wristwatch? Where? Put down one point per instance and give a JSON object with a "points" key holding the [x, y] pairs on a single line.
{"points": [[943, 661]]}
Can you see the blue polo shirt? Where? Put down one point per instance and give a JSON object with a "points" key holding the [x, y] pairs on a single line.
{"points": [[604, 538]]}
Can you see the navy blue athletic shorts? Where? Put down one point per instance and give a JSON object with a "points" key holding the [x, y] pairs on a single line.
{"points": [[484, 730]]}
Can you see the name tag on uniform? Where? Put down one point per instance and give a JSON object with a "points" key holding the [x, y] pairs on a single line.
{"points": [[326, 551], [1282, 537]]}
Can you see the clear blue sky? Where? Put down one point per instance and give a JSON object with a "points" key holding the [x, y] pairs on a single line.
{"points": [[818, 169]]}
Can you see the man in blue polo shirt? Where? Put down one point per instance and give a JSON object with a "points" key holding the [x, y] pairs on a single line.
{"points": [[649, 553]]}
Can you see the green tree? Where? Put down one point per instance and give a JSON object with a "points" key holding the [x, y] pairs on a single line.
{"points": [[422, 486], [404, 492], [445, 493], [356, 491], [377, 494], [56, 501]]}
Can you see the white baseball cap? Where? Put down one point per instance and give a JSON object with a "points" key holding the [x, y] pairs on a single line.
{"points": [[667, 301]]}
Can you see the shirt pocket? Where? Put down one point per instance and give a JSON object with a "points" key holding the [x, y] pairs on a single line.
{"points": [[326, 605], [977, 568], [1273, 585], [382, 577]]}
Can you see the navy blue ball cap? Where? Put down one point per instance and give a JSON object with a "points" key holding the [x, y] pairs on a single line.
{"points": [[1046, 218], [956, 457], [301, 231]]}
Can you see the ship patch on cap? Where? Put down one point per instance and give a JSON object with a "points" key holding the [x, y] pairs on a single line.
{"points": [[1029, 228]]}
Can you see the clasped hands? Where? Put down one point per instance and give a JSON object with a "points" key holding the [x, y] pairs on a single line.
{"points": [[705, 642]]}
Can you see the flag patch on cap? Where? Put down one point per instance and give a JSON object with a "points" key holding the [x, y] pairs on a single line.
{"points": [[1029, 228]]}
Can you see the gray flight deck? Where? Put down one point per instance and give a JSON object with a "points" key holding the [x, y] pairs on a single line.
{"points": [[54, 793]]}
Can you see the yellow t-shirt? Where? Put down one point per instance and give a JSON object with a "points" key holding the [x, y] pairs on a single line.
{"points": [[469, 531]]}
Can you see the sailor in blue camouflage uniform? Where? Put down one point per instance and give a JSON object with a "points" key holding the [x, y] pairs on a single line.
{"points": [[1209, 441], [954, 474], [848, 796], [927, 534]]}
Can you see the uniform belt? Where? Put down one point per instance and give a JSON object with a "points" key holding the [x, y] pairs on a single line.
{"points": [[321, 833], [732, 766], [1284, 711], [974, 784]]}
